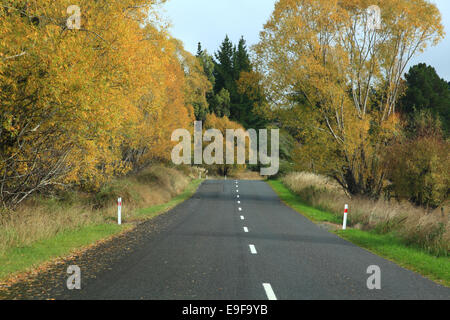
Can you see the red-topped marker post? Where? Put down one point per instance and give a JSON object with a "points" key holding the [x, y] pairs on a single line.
{"points": [[119, 211], [344, 226]]}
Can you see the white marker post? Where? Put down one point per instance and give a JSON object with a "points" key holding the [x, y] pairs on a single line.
{"points": [[119, 211], [344, 227]]}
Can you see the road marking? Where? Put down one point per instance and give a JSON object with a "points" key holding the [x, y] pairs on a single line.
{"points": [[237, 190], [239, 202], [238, 196], [240, 209], [269, 292], [242, 218], [252, 249], [245, 229]]}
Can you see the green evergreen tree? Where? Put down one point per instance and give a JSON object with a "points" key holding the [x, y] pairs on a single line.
{"points": [[199, 50], [223, 70], [242, 105], [220, 103], [207, 62], [427, 91], [241, 59], [224, 73]]}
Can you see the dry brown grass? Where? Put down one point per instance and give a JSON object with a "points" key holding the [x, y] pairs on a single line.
{"points": [[41, 218], [415, 225], [31, 223], [248, 175]]}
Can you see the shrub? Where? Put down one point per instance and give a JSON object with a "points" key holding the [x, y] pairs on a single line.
{"points": [[418, 166]]}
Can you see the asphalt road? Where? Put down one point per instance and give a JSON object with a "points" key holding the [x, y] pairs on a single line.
{"points": [[212, 247]]}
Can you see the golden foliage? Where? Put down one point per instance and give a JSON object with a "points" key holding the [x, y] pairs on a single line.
{"points": [[335, 82], [79, 106], [223, 124]]}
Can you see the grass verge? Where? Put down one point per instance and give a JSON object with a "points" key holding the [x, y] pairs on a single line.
{"points": [[294, 201], [384, 245], [25, 258], [153, 211]]}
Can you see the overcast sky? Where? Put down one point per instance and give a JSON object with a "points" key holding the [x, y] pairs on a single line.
{"points": [[207, 21]]}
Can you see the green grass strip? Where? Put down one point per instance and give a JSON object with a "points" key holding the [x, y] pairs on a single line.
{"points": [[386, 246], [23, 258]]}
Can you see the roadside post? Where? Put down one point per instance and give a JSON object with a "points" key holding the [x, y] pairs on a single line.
{"points": [[119, 211], [344, 227]]}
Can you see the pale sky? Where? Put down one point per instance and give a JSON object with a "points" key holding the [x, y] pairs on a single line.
{"points": [[208, 21]]}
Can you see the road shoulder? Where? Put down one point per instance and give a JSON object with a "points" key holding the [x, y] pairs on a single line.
{"points": [[386, 246]]}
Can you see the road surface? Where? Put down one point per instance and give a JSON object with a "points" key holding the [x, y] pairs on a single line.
{"points": [[236, 240]]}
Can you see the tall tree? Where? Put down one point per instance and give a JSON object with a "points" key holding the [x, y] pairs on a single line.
{"points": [[325, 53], [241, 59], [223, 71], [199, 50], [232, 63], [427, 91], [79, 106], [241, 105], [207, 62], [197, 82]]}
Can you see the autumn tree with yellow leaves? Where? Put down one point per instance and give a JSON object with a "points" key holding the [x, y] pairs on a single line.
{"points": [[80, 105], [223, 124], [334, 81]]}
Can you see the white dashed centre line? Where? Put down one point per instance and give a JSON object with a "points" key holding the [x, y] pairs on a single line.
{"points": [[240, 209], [252, 249], [238, 196], [269, 292], [239, 202], [242, 218], [245, 229]]}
